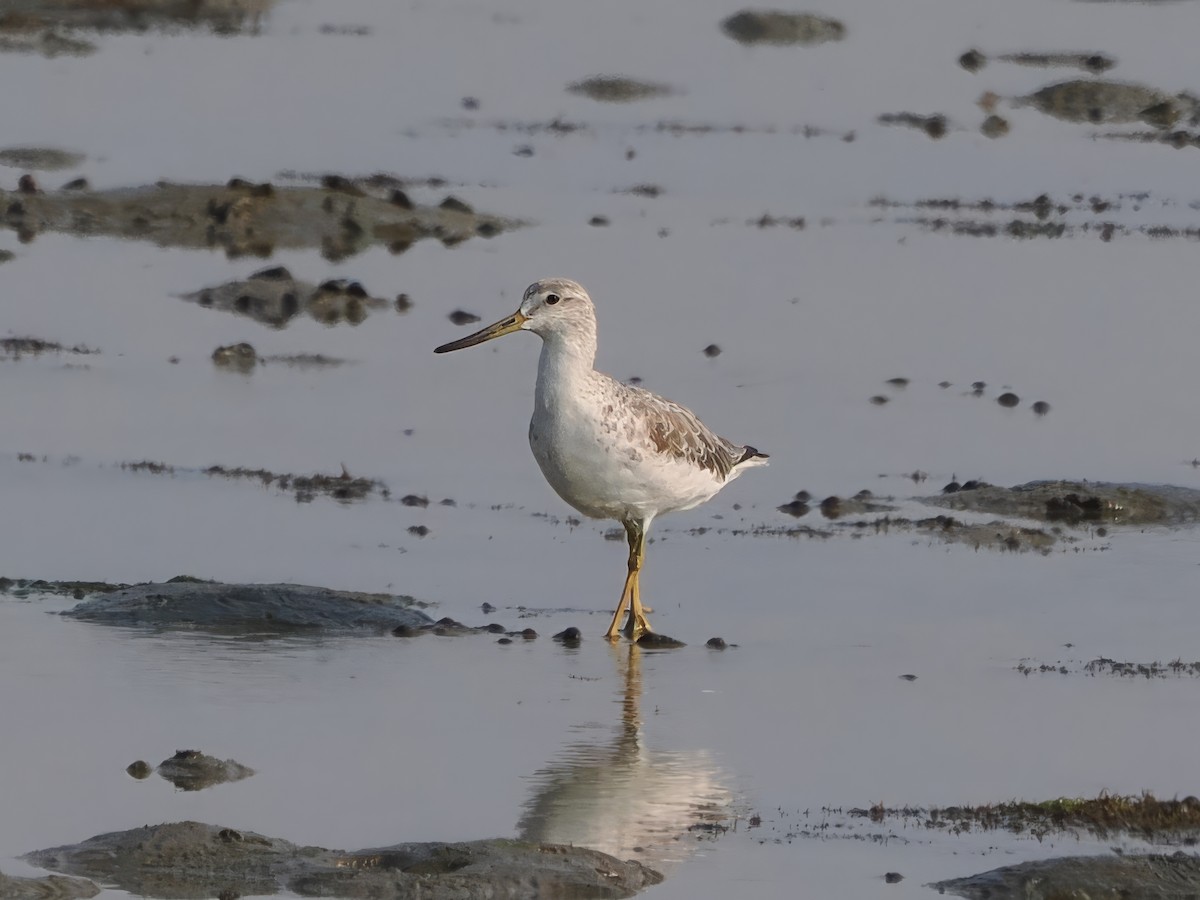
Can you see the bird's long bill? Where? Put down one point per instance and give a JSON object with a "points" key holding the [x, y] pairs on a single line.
{"points": [[495, 330]]}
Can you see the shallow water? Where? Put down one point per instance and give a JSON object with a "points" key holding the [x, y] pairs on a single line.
{"points": [[365, 741]]}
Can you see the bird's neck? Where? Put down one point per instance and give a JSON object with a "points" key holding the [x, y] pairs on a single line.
{"points": [[566, 362]]}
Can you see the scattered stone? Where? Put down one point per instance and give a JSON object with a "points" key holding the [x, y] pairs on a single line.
{"points": [[453, 203], [899, 382], [487, 607], [403, 303], [240, 357], [892, 877], [461, 317], [908, 677], [139, 769], [343, 488], [504, 640], [994, 126], [618, 89], [418, 530], [6, 256], [716, 643], [712, 351], [795, 508], [880, 399], [191, 859], [191, 770], [1040, 407], [783, 28], [1008, 399], [414, 500], [972, 60], [598, 221], [571, 636]]}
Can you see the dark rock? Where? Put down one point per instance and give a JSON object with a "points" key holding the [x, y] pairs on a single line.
{"points": [[571, 635], [461, 317], [1008, 399], [139, 769], [716, 643], [652, 640]]}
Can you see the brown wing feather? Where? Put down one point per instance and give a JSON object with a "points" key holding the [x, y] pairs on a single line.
{"points": [[673, 430]]}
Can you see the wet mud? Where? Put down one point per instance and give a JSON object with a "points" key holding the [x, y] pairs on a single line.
{"points": [[274, 297], [618, 89], [974, 60], [247, 609], [1145, 876], [191, 770], [1041, 217], [934, 125], [39, 158], [1144, 817], [345, 488], [48, 887], [244, 358], [341, 216], [16, 347], [191, 859], [54, 28], [782, 28], [1080, 503], [1103, 666], [1111, 102]]}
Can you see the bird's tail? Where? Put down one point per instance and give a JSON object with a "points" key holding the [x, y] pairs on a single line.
{"points": [[751, 457]]}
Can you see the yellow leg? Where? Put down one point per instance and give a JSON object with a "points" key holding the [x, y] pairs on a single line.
{"points": [[637, 624]]}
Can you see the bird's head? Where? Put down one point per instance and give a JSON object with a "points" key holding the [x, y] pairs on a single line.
{"points": [[550, 308]]}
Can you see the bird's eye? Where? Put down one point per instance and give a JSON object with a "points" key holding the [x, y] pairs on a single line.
{"points": [[551, 299]]}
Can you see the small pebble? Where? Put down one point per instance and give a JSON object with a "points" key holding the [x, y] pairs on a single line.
{"points": [[462, 317], [712, 351], [909, 677], [1008, 400], [529, 634], [893, 877], [879, 399], [716, 643], [1041, 407], [570, 635], [485, 606], [496, 628], [504, 640], [140, 769]]}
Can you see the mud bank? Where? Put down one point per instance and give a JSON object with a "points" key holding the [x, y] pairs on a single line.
{"points": [[249, 609], [342, 217], [1080, 502], [274, 297], [190, 859], [1147, 877], [51, 887], [54, 28]]}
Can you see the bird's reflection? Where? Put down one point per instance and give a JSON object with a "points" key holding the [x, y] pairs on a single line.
{"points": [[624, 798]]}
